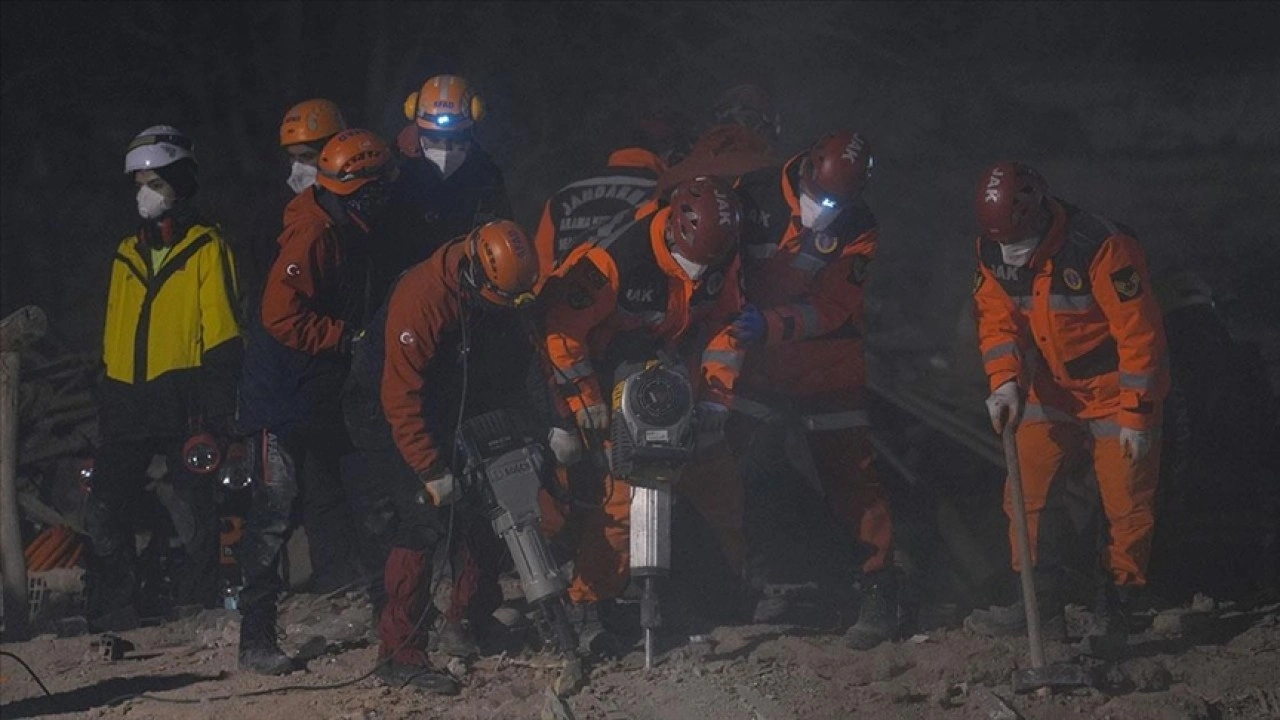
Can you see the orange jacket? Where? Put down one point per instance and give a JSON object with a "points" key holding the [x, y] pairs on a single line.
{"points": [[627, 286], [809, 286], [575, 210], [1085, 303], [726, 151], [300, 300]]}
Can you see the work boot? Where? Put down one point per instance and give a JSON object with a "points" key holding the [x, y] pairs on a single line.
{"points": [[456, 640], [878, 616], [1011, 620], [259, 648], [1109, 635], [593, 636], [419, 677]]}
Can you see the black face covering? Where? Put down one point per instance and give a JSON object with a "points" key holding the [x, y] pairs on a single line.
{"points": [[370, 202]]}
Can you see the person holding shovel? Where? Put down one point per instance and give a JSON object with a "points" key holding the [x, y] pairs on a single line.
{"points": [[1074, 350]]}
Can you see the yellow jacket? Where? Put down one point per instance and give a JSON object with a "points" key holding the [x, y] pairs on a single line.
{"points": [[171, 344]]}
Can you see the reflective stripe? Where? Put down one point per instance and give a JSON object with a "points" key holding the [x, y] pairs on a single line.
{"points": [[1034, 412], [1000, 351], [1022, 302], [1134, 381], [1071, 303], [837, 420], [761, 251], [575, 372], [1104, 428], [808, 263], [612, 180], [729, 358], [809, 319]]}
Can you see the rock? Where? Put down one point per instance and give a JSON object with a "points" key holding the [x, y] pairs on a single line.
{"points": [[1168, 622], [1147, 675], [571, 678], [508, 616], [1175, 705], [456, 667], [990, 706], [553, 708], [1203, 603]]}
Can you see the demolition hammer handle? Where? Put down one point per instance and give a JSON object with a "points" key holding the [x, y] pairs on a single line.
{"points": [[1023, 542]]}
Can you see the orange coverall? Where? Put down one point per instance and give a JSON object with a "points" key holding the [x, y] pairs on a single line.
{"points": [[1081, 321], [611, 291]]}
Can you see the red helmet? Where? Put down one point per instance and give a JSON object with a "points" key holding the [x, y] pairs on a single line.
{"points": [[352, 159], [705, 219], [506, 262], [1008, 201], [837, 168]]}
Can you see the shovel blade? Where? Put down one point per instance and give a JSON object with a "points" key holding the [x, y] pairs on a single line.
{"points": [[1057, 675]]}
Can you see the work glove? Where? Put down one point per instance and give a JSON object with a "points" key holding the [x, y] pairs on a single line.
{"points": [[1005, 406], [593, 418], [749, 327], [710, 418], [1135, 444], [566, 445], [440, 489]]}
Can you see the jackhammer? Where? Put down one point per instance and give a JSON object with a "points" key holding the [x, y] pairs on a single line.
{"points": [[653, 439], [504, 469]]}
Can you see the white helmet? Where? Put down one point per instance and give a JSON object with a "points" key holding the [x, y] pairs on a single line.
{"points": [[157, 146]]}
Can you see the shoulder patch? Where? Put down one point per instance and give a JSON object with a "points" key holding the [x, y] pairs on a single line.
{"points": [[858, 274], [1071, 277], [1127, 282], [824, 243], [978, 279]]}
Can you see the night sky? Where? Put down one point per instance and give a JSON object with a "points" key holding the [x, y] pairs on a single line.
{"points": [[1161, 116]]}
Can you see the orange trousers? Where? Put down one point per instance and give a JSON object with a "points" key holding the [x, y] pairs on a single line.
{"points": [[1048, 446], [602, 563]]}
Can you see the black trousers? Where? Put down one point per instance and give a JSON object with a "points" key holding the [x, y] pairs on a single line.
{"points": [[119, 480], [303, 468]]}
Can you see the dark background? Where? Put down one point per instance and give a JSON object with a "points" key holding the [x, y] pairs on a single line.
{"points": [[1162, 116]]}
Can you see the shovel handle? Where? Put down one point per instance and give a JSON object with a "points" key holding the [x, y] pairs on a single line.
{"points": [[1022, 538]]}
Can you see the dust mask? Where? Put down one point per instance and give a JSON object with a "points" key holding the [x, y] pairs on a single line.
{"points": [[1018, 254], [814, 215], [152, 204], [447, 160], [301, 177], [692, 269]]}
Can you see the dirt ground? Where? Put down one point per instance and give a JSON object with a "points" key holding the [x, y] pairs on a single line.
{"points": [[1203, 661]]}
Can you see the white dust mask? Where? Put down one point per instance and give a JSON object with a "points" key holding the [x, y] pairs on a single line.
{"points": [[1018, 254], [301, 177], [690, 268], [447, 160], [814, 215], [152, 204]]}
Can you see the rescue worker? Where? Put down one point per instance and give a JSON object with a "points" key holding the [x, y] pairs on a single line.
{"points": [[665, 281], [742, 139], [171, 350], [306, 127], [455, 348], [314, 307], [1075, 355], [810, 239], [449, 183], [576, 210]]}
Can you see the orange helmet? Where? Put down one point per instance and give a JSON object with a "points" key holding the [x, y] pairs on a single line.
{"points": [[311, 120], [352, 159], [445, 102], [503, 266]]}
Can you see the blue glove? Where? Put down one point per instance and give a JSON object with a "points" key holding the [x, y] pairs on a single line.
{"points": [[749, 327]]}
